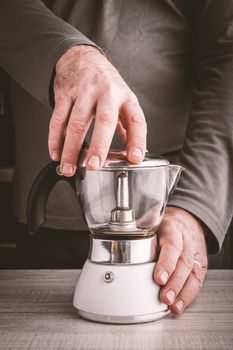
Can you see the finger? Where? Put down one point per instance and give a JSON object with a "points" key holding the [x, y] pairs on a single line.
{"points": [[79, 122], [171, 246], [58, 125], [177, 280], [122, 132], [179, 276], [135, 124], [190, 290], [105, 126]]}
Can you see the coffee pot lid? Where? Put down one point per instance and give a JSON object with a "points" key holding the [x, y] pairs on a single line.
{"points": [[117, 161]]}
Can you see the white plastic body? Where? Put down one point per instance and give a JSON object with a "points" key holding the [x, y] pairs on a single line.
{"points": [[128, 298]]}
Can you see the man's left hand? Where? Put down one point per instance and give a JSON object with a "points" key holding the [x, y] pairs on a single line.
{"points": [[182, 263]]}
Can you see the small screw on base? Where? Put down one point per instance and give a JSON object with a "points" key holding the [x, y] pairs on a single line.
{"points": [[108, 276]]}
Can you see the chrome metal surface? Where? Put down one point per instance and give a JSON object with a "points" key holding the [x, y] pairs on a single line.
{"points": [[122, 217], [58, 170], [122, 220], [102, 231], [117, 160], [108, 276], [123, 319], [135, 251], [122, 197]]}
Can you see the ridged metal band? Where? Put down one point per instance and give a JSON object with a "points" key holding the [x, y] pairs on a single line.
{"points": [[109, 251]]}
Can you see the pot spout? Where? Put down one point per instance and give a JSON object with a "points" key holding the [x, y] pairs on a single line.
{"points": [[174, 175]]}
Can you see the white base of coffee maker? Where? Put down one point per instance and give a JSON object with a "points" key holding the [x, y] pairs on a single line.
{"points": [[120, 294]]}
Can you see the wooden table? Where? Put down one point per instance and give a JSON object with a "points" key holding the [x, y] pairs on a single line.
{"points": [[36, 313]]}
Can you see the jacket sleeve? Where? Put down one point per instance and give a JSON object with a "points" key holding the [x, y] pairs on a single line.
{"points": [[32, 39], [206, 186]]}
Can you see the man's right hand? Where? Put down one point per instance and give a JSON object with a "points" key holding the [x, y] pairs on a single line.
{"points": [[88, 86]]}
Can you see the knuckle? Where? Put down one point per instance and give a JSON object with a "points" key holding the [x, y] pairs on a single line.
{"points": [[176, 248], [187, 261], [137, 118], [177, 284], [86, 89], [56, 122], [169, 264], [68, 155], [109, 88], [171, 241], [62, 82], [173, 251], [136, 115], [165, 227], [106, 118], [199, 280], [99, 147], [132, 99], [169, 227], [165, 238], [53, 141], [77, 127]]}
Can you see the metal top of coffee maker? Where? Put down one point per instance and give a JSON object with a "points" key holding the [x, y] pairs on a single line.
{"points": [[117, 161]]}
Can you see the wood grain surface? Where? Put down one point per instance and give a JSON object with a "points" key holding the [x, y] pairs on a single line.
{"points": [[36, 313]]}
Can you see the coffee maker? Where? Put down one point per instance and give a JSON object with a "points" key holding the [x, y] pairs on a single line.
{"points": [[123, 205]]}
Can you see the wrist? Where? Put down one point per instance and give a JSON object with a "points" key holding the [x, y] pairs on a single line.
{"points": [[76, 52], [172, 210]]}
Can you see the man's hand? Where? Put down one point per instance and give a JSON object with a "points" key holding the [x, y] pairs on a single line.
{"points": [[182, 263], [87, 86]]}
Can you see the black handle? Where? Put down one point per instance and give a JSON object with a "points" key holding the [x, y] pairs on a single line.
{"points": [[38, 196]]}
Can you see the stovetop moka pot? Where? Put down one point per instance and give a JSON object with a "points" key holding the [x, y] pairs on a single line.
{"points": [[123, 204]]}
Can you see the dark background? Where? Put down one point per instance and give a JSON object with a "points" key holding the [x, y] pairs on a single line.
{"points": [[10, 231]]}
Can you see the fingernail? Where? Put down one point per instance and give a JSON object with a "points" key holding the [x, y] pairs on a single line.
{"points": [[170, 295], [179, 305], [55, 156], [136, 152], [164, 277], [67, 169], [94, 162]]}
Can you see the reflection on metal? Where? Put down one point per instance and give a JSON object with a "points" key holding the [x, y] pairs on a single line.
{"points": [[122, 217], [108, 276], [117, 160], [103, 231], [136, 251], [122, 191]]}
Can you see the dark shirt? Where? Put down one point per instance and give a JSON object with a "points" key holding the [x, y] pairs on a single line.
{"points": [[176, 55]]}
